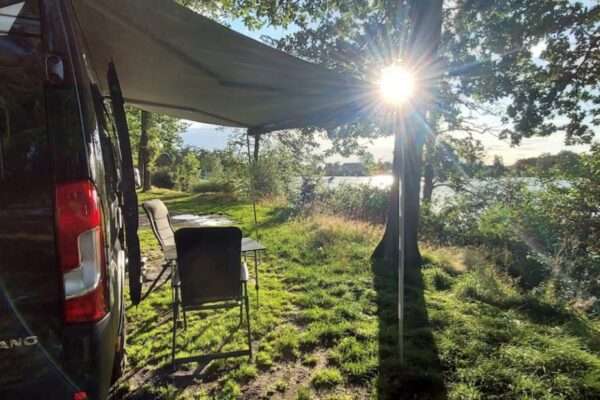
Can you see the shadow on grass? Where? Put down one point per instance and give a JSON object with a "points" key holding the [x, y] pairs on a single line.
{"points": [[176, 381], [421, 377], [203, 203], [275, 217]]}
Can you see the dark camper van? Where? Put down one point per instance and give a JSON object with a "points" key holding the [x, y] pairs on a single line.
{"points": [[62, 241]]}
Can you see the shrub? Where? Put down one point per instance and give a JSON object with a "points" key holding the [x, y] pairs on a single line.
{"points": [[264, 360], [245, 373], [230, 391], [162, 179], [303, 394], [361, 202], [310, 360], [327, 378], [281, 386], [213, 187], [437, 279], [486, 284], [535, 231], [287, 344]]}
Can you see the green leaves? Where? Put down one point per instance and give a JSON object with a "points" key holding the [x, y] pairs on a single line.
{"points": [[548, 92]]}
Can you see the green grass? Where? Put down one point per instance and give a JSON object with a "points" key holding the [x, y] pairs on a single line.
{"points": [[326, 326]]}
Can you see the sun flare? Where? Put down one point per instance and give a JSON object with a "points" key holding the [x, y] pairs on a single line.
{"points": [[397, 84]]}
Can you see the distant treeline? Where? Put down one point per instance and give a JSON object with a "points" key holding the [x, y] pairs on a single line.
{"points": [[565, 161], [359, 168]]}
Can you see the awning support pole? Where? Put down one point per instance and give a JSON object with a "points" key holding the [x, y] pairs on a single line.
{"points": [[252, 165]]}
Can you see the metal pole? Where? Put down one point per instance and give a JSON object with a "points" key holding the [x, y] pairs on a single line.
{"points": [[401, 243], [252, 164]]}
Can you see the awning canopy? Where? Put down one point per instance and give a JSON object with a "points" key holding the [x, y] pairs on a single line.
{"points": [[174, 61]]}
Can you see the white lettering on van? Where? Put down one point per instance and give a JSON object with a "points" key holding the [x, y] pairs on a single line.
{"points": [[13, 343]]}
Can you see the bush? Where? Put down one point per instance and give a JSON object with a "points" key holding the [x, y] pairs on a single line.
{"points": [[536, 231], [162, 179], [303, 394], [213, 187], [306, 197], [327, 378], [437, 279], [363, 202], [230, 391], [487, 285], [264, 360]]}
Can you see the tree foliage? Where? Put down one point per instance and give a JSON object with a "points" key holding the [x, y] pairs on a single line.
{"points": [[490, 49], [165, 132]]}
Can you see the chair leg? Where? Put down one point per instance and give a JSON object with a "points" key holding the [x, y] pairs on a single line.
{"points": [[242, 308], [177, 296], [247, 303], [184, 319], [175, 318]]}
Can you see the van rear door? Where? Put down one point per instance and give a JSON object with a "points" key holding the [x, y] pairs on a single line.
{"points": [[30, 283]]}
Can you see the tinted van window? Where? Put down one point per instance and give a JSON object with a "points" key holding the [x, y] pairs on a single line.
{"points": [[24, 155], [20, 17]]}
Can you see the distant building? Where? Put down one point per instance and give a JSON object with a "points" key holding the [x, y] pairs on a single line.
{"points": [[346, 169]]}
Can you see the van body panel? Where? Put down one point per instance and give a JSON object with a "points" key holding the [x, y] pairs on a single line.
{"points": [[51, 132], [30, 286]]}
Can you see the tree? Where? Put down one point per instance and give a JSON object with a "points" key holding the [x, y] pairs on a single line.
{"points": [[470, 152], [498, 169], [486, 53], [153, 135], [256, 14], [368, 162], [490, 45], [188, 171], [144, 151], [442, 167]]}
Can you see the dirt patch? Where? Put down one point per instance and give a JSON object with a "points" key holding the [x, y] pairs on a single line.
{"points": [[283, 381]]}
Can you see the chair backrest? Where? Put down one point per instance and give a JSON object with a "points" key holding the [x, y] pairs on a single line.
{"points": [[209, 264], [158, 214]]}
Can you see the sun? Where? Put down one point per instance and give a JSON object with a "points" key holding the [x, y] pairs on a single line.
{"points": [[396, 85]]}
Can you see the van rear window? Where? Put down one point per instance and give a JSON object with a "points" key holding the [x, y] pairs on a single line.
{"points": [[24, 157], [19, 17]]}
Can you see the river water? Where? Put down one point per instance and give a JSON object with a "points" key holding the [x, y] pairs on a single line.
{"points": [[378, 181], [440, 194]]}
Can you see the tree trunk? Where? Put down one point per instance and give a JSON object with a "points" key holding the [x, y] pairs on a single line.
{"points": [[426, 17], [428, 172], [256, 148], [387, 249], [413, 151], [144, 152]]}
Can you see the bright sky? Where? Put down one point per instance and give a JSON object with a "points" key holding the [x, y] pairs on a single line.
{"points": [[210, 137]]}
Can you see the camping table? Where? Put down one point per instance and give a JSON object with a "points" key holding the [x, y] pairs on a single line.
{"points": [[254, 247], [250, 247]]}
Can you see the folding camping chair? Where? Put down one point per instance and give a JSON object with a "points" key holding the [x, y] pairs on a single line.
{"points": [[211, 276], [160, 221]]}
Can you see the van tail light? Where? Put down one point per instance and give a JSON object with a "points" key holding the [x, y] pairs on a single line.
{"points": [[80, 396], [81, 251]]}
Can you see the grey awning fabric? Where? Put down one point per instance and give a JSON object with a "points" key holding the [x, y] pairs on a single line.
{"points": [[174, 61]]}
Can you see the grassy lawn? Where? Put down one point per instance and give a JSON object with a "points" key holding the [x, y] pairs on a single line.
{"points": [[325, 328]]}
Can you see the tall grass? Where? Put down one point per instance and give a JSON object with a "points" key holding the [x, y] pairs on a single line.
{"points": [[357, 202]]}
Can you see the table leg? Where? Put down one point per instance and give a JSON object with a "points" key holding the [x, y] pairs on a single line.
{"points": [[256, 277]]}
